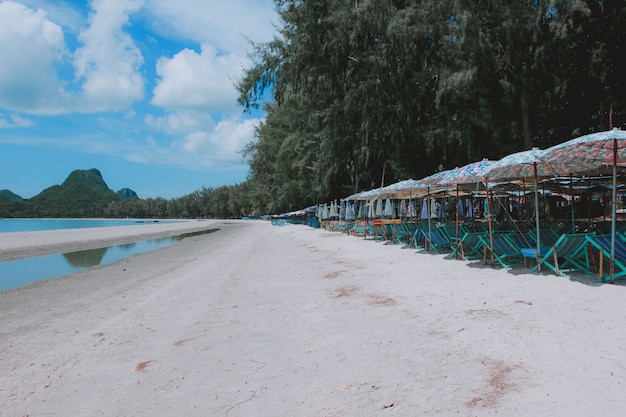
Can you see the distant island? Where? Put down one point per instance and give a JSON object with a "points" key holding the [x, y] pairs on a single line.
{"points": [[83, 194]]}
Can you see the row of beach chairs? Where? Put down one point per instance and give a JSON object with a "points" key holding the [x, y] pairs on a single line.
{"points": [[507, 247]]}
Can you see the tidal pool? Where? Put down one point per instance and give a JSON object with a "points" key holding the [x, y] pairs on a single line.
{"points": [[14, 274]]}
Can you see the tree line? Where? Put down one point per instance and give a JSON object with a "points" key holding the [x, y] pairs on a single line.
{"points": [[363, 93]]}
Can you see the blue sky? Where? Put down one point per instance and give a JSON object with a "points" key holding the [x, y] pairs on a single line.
{"points": [[143, 90]]}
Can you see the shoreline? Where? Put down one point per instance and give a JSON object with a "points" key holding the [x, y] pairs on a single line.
{"points": [[21, 245], [293, 321]]}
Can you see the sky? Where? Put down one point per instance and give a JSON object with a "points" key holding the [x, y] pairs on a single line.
{"points": [[142, 90]]}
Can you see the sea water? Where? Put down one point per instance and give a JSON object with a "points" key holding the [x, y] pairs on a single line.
{"points": [[31, 225], [15, 274]]}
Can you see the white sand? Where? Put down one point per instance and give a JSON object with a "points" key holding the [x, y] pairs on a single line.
{"points": [[257, 320]]}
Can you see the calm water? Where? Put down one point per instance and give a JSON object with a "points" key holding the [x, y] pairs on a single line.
{"points": [[31, 225], [15, 274]]}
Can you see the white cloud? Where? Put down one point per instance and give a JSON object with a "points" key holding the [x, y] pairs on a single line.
{"points": [[224, 144], [224, 24], [109, 62], [15, 120], [31, 46], [203, 81], [201, 141], [181, 122]]}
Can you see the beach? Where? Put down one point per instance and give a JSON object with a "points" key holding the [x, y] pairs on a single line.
{"points": [[258, 320]]}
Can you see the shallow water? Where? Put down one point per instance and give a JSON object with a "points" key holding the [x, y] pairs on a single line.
{"points": [[15, 274], [31, 225]]}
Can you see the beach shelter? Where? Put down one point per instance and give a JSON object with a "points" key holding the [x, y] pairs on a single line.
{"points": [[589, 152]]}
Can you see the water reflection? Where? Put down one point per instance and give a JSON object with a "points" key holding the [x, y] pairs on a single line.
{"points": [[15, 274], [85, 258]]}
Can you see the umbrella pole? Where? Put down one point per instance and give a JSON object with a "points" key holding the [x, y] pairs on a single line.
{"points": [[489, 221], [525, 201], [456, 237], [613, 211], [430, 235], [538, 254], [571, 193]]}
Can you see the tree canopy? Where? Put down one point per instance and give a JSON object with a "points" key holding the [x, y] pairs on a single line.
{"points": [[372, 91]]}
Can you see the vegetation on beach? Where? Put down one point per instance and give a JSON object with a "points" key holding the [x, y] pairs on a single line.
{"points": [[365, 92]]}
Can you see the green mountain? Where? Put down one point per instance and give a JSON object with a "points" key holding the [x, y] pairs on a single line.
{"points": [[8, 195], [127, 194], [83, 194]]}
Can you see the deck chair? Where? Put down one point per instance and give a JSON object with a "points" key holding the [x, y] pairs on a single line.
{"points": [[603, 244], [437, 240], [569, 253], [417, 239], [504, 252], [468, 247], [527, 246], [548, 236]]}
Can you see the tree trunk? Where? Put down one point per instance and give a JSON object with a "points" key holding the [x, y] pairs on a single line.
{"points": [[526, 120]]}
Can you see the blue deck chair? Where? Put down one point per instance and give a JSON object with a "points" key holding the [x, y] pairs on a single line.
{"points": [[569, 253], [603, 244], [548, 236], [504, 252], [437, 240], [527, 246]]}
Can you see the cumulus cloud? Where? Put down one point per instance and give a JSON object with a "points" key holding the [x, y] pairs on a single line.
{"points": [[202, 141], [224, 144], [108, 63], [204, 81], [31, 47]]}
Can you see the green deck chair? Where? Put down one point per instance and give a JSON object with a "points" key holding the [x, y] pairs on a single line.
{"points": [[504, 252], [569, 253]]}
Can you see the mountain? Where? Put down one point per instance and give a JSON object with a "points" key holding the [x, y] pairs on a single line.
{"points": [[127, 194], [84, 193], [8, 195]]}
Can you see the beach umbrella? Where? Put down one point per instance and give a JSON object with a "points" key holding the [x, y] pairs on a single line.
{"points": [[470, 208], [379, 208], [589, 152], [402, 208], [460, 209], [370, 209], [389, 210], [467, 174], [360, 214], [350, 215], [441, 210], [410, 210], [342, 210], [424, 213]]}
